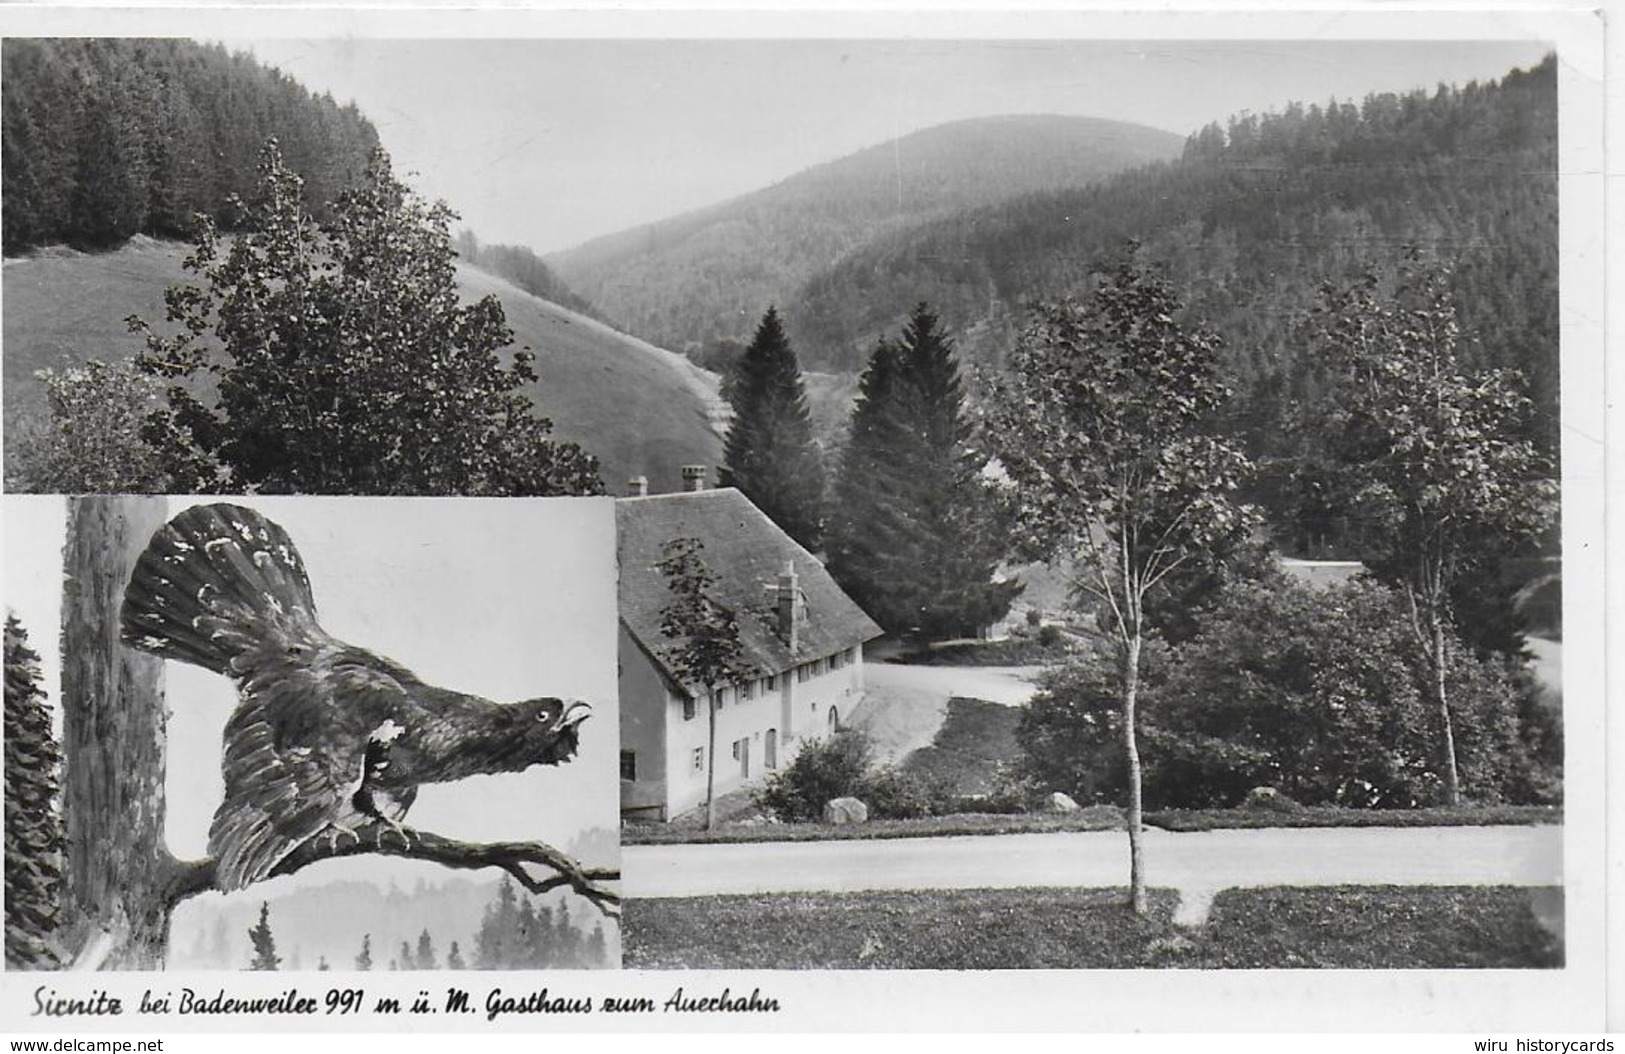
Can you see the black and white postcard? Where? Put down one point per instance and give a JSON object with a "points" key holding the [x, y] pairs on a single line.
{"points": [[1060, 512]]}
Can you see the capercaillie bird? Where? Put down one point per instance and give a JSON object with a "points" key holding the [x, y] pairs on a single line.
{"points": [[327, 738]]}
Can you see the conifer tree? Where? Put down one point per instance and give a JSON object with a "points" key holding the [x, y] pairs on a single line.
{"points": [[425, 956], [493, 944], [597, 950], [264, 942], [770, 453], [364, 960], [454, 958], [915, 537], [529, 939], [33, 824]]}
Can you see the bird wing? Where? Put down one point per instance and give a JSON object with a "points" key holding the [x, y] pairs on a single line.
{"points": [[296, 754]]}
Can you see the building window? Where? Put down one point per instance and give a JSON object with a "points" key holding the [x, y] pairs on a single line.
{"points": [[699, 759], [772, 682], [688, 708], [629, 764], [718, 697], [802, 673], [747, 690], [736, 750]]}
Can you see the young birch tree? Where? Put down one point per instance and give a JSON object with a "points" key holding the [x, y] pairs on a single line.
{"points": [[1100, 425], [706, 653], [1432, 463]]}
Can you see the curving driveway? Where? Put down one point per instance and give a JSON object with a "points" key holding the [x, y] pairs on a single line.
{"points": [[904, 706]]}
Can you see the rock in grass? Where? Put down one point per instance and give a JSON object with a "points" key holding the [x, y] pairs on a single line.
{"points": [[1060, 803], [841, 811], [1269, 799]]}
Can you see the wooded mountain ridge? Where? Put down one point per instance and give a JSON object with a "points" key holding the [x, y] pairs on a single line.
{"points": [[1248, 221], [708, 275]]}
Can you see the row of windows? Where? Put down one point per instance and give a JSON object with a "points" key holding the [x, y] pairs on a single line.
{"points": [[747, 689]]}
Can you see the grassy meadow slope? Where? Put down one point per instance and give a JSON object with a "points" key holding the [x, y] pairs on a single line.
{"points": [[712, 273], [639, 409]]}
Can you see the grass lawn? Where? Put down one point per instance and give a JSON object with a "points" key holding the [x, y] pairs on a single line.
{"points": [[1386, 927], [974, 739], [1101, 818], [1096, 818], [1379, 927], [1013, 651], [1326, 816]]}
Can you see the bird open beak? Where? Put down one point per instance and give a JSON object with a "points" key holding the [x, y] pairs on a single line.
{"points": [[573, 714]]}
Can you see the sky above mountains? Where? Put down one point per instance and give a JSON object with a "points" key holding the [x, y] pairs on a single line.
{"points": [[549, 143]]}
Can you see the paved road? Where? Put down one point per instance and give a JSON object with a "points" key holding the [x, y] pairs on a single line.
{"points": [[1198, 864]]}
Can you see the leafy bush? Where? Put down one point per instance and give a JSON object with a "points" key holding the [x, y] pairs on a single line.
{"points": [[96, 439], [843, 766], [1319, 693], [1070, 734], [822, 770], [1046, 646], [896, 794]]}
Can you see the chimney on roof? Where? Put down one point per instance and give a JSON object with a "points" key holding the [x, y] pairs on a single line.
{"points": [[791, 610], [637, 487], [693, 477]]}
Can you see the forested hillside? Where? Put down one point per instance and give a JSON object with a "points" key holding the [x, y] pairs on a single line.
{"points": [[105, 139], [1248, 221], [523, 268], [710, 274]]}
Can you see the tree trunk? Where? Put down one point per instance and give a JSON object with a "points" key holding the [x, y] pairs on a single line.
{"points": [[711, 765], [1452, 777], [1136, 851], [119, 873]]}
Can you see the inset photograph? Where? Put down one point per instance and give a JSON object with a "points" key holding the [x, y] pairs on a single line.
{"points": [[310, 734]]}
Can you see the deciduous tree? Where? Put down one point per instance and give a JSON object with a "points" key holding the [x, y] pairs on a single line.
{"points": [[705, 653], [1101, 426], [1430, 460], [342, 359]]}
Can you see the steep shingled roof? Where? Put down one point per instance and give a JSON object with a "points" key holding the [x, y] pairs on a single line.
{"points": [[748, 552]]}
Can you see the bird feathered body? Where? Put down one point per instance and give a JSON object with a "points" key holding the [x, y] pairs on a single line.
{"points": [[326, 737]]}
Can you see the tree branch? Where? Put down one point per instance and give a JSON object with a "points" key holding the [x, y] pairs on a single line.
{"points": [[197, 876]]}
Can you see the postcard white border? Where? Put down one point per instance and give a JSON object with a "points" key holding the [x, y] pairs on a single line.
{"points": [[1118, 1001]]}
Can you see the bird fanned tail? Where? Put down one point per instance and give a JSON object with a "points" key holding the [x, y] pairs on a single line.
{"points": [[216, 584]]}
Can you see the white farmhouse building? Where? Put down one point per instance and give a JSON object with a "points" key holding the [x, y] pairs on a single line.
{"points": [[802, 635]]}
